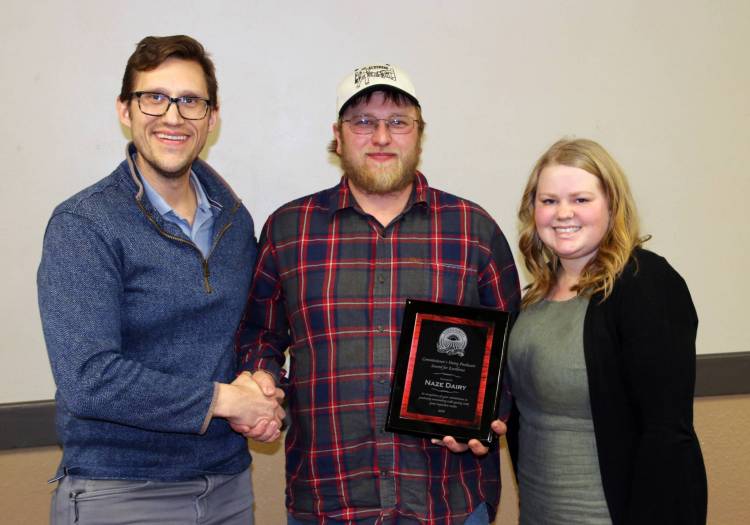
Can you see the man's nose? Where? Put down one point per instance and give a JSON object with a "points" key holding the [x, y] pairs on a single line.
{"points": [[382, 133], [173, 116]]}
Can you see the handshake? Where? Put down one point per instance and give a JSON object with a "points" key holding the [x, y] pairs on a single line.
{"points": [[252, 405]]}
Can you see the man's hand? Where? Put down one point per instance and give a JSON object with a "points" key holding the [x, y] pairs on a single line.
{"points": [[263, 430], [249, 410], [267, 384], [498, 427], [476, 447]]}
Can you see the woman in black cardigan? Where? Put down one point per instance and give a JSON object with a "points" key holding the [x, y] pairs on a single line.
{"points": [[624, 401]]}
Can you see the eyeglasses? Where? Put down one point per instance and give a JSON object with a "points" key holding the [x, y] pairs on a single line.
{"points": [[367, 125], [157, 104]]}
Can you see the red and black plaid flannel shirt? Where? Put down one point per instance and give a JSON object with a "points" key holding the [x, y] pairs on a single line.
{"points": [[330, 285]]}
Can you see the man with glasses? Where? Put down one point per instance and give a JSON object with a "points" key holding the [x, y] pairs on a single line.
{"points": [[141, 286], [334, 271]]}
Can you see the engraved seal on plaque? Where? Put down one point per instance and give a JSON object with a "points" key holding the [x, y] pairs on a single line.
{"points": [[452, 341]]}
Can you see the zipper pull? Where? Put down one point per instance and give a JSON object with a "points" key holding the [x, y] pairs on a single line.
{"points": [[206, 275]]}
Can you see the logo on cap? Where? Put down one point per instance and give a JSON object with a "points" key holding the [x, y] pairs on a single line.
{"points": [[363, 75]]}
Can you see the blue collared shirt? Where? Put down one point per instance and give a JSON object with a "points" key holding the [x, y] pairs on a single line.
{"points": [[202, 229]]}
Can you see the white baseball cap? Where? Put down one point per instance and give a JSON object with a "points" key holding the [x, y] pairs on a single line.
{"points": [[373, 75]]}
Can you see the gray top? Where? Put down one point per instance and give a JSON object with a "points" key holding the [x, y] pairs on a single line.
{"points": [[558, 469]]}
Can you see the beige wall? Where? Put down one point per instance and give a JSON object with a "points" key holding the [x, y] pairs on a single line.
{"points": [[722, 423], [662, 84]]}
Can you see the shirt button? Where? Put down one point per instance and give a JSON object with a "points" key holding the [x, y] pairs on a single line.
{"points": [[380, 328], [381, 279], [383, 473], [381, 379]]}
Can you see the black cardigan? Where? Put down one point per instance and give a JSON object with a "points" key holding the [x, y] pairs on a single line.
{"points": [[639, 348]]}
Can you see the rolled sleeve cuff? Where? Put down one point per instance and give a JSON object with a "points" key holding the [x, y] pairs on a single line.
{"points": [[210, 413]]}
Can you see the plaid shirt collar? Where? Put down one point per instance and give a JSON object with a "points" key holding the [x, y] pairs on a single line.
{"points": [[340, 196]]}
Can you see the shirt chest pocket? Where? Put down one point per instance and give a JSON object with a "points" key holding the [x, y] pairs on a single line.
{"points": [[438, 282]]}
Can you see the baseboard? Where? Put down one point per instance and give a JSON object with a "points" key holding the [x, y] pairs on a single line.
{"points": [[722, 374], [29, 424]]}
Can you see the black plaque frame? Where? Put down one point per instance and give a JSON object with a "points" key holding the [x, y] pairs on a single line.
{"points": [[424, 399]]}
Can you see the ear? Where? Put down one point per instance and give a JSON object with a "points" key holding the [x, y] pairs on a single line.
{"points": [[123, 111], [337, 137], [213, 118]]}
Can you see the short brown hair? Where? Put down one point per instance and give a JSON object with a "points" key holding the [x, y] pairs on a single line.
{"points": [[152, 51]]}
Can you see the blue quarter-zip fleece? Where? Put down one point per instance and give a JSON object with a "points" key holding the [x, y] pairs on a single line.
{"points": [[139, 328]]}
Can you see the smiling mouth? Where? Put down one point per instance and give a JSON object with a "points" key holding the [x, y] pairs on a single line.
{"points": [[171, 137], [381, 156], [567, 229]]}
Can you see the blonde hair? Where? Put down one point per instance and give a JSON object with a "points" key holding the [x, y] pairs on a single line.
{"points": [[622, 235]]}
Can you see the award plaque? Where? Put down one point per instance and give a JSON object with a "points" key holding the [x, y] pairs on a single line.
{"points": [[447, 376]]}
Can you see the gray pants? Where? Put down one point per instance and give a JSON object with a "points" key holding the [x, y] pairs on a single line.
{"points": [[212, 499]]}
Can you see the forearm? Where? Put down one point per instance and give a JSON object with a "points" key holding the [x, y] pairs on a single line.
{"points": [[263, 334], [110, 388], [262, 346]]}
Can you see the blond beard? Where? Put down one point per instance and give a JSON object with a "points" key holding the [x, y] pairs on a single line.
{"points": [[382, 181]]}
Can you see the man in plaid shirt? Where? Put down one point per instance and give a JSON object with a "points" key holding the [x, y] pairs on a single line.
{"points": [[334, 271]]}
